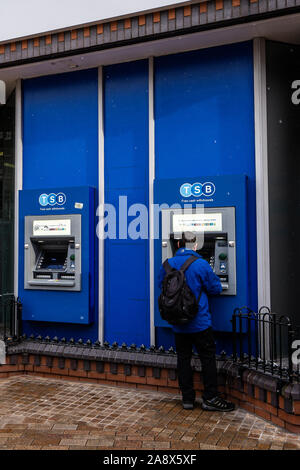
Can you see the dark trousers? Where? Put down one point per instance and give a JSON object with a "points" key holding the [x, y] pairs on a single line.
{"points": [[206, 348]]}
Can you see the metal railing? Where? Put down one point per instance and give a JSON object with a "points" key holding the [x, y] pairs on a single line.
{"points": [[10, 317], [265, 341]]}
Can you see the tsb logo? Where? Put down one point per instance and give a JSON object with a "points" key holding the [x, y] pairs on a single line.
{"points": [[197, 189], [52, 199]]}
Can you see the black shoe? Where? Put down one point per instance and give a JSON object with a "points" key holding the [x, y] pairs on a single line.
{"points": [[217, 404], [188, 405]]}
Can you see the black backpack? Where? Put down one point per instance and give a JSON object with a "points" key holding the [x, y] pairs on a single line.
{"points": [[177, 303]]}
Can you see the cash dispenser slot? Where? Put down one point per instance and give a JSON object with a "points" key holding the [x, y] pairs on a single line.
{"points": [[55, 262], [53, 253]]}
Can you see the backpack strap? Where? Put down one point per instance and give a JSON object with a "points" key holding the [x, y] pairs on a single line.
{"points": [[199, 296], [167, 267], [184, 267], [188, 262]]}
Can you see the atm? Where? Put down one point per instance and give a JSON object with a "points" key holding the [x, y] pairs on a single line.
{"points": [[214, 229], [57, 255], [53, 252], [214, 209]]}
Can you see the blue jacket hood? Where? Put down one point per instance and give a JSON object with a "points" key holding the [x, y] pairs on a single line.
{"points": [[186, 252]]}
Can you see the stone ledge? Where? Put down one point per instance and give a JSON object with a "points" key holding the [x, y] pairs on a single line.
{"points": [[292, 391], [106, 353]]}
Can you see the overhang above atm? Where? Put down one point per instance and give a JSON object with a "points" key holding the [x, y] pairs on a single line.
{"points": [[197, 26]]}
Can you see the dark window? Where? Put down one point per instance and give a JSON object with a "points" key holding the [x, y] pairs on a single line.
{"points": [[7, 194]]}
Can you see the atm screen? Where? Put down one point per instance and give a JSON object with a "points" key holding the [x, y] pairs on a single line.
{"points": [[53, 227], [53, 260], [197, 222]]}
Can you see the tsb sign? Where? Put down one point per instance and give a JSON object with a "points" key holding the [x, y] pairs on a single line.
{"points": [[52, 199], [197, 189]]}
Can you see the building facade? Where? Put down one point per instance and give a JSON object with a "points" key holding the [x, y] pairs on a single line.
{"points": [[110, 116]]}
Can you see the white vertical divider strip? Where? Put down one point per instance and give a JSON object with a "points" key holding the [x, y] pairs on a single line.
{"points": [[101, 201], [18, 178], [151, 197], [261, 164]]}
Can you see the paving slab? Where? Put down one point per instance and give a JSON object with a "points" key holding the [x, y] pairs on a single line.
{"points": [[44, 413]]}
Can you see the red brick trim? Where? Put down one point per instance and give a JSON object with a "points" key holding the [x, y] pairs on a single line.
{"points": [[100, 29], [203, 7], [156, 17], [292, 428], [187, 11], [118, 26], [113, 26], [142, 20], [297, 407], [172, 14]]}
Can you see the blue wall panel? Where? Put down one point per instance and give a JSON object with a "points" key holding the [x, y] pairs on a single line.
{"points": [[60, 133], [60, 148], [204, 116], [126, 174]]}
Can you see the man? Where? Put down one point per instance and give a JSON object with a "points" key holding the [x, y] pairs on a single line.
{"points": [[198, 332]]}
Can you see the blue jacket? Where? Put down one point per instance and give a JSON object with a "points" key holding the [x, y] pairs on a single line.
{"points": [[199, 275]]}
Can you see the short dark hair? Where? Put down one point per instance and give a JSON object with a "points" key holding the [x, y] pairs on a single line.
{"points": [[187, 237]]}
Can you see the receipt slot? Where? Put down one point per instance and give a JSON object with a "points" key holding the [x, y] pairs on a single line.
{"points": [[58, 255], [52, 252], [214, 229]]}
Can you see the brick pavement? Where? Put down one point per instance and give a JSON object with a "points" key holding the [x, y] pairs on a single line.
{"points": [[41, 413]]}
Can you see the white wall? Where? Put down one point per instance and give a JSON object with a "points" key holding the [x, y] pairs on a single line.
{"points": [[21, 18]]}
